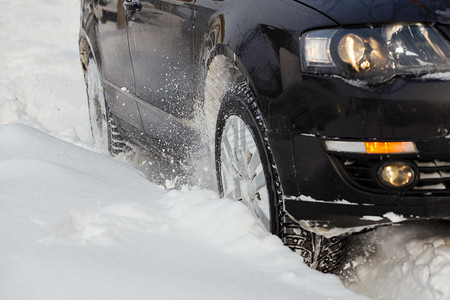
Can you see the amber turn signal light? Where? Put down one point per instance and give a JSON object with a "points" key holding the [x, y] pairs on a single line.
{"points": [[390, 147], [370, 147]]}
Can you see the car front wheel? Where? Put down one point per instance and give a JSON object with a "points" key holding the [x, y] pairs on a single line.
{"points": [[246, 171]]}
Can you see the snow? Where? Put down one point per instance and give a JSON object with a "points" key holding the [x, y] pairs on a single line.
{"points": [[76, 223], [218, 80], [372, 218], [394, 218], [441, 76], [414, 264], [311, 199], [40, 82], [73, 228]]}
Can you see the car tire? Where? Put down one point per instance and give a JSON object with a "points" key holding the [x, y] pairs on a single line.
{"points": [[105, 133], [246, 171]]}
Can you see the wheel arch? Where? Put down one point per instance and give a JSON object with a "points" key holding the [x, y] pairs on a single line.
{"points": [[235, 61]]}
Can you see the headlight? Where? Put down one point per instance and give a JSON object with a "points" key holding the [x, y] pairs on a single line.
{"points": [[375, 54]]}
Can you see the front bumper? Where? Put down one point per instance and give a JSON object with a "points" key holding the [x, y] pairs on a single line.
{"points": [[317, 185], [332, 215]]}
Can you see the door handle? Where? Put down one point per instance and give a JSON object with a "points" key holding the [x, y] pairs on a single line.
{"points": [[132, 5]]}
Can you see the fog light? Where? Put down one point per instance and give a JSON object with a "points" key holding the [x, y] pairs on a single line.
{"points": [[397, 174]]}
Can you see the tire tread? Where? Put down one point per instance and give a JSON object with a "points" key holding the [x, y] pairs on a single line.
{"points": [[318, 252]]}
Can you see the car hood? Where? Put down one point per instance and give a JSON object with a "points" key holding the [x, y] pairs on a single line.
{"points": [[350, 12]]}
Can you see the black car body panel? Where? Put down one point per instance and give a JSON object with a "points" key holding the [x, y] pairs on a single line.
{"points": [[154, 70], [356, 12], [252, 35], [405, 108], [162, 31], [109, 40]]}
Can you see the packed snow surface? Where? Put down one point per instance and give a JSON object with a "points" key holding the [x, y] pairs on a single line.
{"points": [[76, 223]]}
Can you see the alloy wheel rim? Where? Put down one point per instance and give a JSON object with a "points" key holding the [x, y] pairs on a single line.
{"points": [[242, 171]]}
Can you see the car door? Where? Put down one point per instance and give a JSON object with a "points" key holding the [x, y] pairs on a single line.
{"points": [[160, 38], [115, 61]]}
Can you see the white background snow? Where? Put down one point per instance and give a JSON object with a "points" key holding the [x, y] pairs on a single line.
{"points": [[76, 223]]}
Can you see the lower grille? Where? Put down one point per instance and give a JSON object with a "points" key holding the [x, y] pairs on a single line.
{"points": [[434, 174]]}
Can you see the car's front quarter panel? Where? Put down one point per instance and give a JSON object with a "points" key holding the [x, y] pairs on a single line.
{"points": [[302, 109], [257, 33]]}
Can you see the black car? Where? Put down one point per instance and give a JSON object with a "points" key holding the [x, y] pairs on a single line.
{"points": [[325, 117]]}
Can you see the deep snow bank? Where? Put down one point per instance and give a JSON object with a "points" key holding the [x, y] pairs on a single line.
{"points": [[75, 224]]}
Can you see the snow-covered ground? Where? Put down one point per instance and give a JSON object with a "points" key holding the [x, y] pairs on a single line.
{"points": [[402, 262], [76, 223]]}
